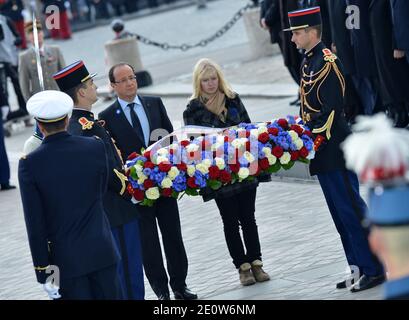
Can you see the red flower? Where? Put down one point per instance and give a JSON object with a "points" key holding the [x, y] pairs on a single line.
{"points": [[164, 167], [132, 156], [294, 155], [283, 123], [171, 151], [226, 139], [149, 165], [182, 166], [263, 137], [297, 129], [247, 134], [148, 183], [235, 168], [225, 177], [247, 145], [273, 131], [167, 192], [138, 194], [263, 164], [304, 152], [184, 143], [147, 155], [191, 183], [214, 172], [277, 151]]}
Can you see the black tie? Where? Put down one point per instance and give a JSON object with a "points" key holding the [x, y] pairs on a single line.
{"points": [[136, 124]]}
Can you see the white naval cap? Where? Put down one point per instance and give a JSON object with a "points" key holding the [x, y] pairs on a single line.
{"points": [[49, 106]]}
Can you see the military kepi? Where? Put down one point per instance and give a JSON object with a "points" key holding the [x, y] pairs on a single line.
{"points": [[50, 106], [305, 18], [72, 75]]}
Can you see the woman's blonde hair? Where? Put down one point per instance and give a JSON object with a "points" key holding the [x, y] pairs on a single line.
{"points": [[202, 68]]}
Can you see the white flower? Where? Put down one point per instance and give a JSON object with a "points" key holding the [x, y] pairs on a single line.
{"points": [[311, 155], [191, 170], [161, 159], [267, 151], [293, 135], [138, 168], [152, 193], [162, 152], [192, 148], [262, 130], [141, 177], [220, 139], [220, 163], [285, 158], [207, 163], [202, 168], [166, 183], [271, 160], [236, 143], [248, 156], [243, 173], [173, 173], [299, 144]]}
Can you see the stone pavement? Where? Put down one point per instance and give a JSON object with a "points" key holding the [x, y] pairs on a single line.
{"points": [[300, 245]]}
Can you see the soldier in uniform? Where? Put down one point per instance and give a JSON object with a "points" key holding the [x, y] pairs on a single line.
{"points": [[76, 81], [52, 60], [14, 10], [62, 184], [379, 153], [322, 91]]}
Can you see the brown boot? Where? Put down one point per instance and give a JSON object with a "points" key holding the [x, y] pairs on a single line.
{"points": [[246, 277], [258, 272]]}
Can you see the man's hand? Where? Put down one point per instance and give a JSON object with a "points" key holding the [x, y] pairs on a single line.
{"points": [[263, 24], [398, 54], [52, 290]]}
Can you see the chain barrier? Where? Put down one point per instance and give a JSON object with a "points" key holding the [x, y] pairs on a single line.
{"points": [[202, 43]]}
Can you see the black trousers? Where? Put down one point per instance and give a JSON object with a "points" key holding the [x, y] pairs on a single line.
{"points": [[238, 210], [100, 285], [165, 213]]}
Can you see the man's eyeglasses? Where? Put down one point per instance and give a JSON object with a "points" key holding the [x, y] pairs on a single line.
{"points": [[122, 81]]}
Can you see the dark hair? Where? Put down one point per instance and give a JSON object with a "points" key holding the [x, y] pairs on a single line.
{"points": [[111, 71], [53, 127], [317, 28], [73, 91]]}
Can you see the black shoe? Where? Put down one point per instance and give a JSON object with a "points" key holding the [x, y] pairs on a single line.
{"points": [[6, 186], [184, 294], [164, 296], [367, 282], [343, 284]]}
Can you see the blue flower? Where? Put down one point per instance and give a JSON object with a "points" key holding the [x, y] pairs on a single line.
{"points": [[147, 172]]}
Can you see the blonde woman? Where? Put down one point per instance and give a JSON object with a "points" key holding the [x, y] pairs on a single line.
{"points": [[214, 104]]}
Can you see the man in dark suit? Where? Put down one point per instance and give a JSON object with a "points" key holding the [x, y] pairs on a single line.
{"points": [[132, 121], [62, 183], [322, 90], [77, 82]]}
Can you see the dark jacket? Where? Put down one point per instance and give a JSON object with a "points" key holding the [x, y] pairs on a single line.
{"points": [[270, 11], [117, 204], [322, 108], [13, 9], [400, 10], [197, 114], [62, 184]]}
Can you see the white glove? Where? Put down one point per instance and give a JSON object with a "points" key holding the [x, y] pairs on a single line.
{"points": [[4, 112], [52, 290], [31, 144]]}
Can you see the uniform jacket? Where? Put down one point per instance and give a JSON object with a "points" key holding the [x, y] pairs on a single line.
{"points": [[400, 10], [117, 203], [51, 62], [322, 91], [62, 184]]}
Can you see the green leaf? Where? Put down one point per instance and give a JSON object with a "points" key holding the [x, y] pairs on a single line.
{"points": [[133, 173], [274, 168], [192, 192], [304, 160], [215, 184], [288, 166]]}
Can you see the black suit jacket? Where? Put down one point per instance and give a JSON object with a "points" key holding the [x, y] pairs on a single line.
{"points": [[62, 184], [126, 138]]}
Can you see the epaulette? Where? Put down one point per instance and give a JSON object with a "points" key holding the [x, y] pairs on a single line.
{"points": [[329, 56], [85, 123]]}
